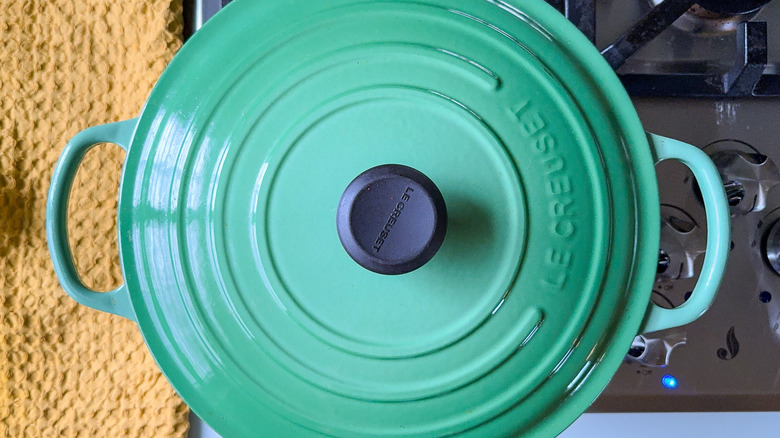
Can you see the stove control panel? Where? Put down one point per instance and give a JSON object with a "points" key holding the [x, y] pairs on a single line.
{"points": [[729, 359]]}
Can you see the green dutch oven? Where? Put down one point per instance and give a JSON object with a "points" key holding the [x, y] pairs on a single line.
{"points": [[383, 218]]}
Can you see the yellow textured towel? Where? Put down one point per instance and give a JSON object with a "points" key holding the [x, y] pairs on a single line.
{"points": [[66, 370]]}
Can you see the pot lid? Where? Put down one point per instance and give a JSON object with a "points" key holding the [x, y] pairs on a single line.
{"points": [[248, 257]]}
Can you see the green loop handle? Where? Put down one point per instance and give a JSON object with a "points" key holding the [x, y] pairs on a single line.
{"points": [[718, 235], [118, 300]]}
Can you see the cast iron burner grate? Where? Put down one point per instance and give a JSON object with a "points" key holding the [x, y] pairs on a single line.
{"points": [[746, 78]]}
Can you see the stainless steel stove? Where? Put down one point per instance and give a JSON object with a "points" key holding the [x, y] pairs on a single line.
{"points": [[729, 360], [709, 78], [707, 74]]}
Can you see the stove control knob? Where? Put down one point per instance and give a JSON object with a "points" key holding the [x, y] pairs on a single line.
{"points": [[682, 241], [771, 247], [747, 174], [655, 351]]}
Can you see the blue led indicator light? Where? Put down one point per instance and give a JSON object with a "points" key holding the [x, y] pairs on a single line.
{"points": [[669, 382]]}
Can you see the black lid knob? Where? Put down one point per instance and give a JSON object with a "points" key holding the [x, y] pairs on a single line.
{"points": [[392, 219]]}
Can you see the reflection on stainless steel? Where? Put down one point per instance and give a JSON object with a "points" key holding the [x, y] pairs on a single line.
{"points": [[747, 174], [655, 349]]}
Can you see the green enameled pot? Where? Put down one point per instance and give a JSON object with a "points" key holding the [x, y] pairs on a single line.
{"points": [[235, 271]]}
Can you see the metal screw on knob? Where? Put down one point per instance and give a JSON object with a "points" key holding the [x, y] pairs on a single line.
{"points": [[735, 192], [663, 261]]}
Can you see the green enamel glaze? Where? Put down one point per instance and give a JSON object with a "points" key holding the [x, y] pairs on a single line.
{"points": [[718, 232], [227, 212], [118, 300]]}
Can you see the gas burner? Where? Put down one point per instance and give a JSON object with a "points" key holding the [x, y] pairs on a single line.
{"points": [[713, 19]]}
